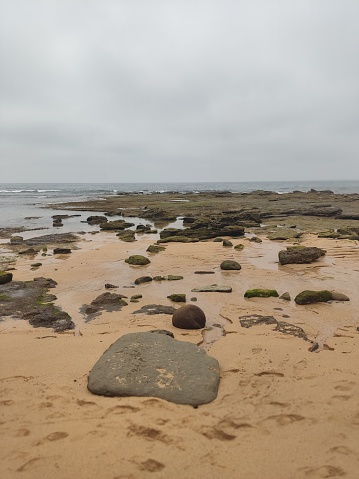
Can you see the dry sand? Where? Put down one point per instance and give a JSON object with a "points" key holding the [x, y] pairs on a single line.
{"points": [[282, 412]]}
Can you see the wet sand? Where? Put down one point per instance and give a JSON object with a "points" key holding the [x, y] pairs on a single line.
{"points": [[282, 411]]}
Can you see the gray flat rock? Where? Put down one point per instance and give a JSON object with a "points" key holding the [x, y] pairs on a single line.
{"points": [[213, 288], [156, 365]]}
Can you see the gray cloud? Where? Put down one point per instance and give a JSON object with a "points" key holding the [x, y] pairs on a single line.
{"points": [[117, 90]]}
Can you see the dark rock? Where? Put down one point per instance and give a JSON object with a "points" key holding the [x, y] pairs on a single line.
{"points": [[177, 298], [156, 365], [239, 247], [204, 272], [36, 265], [143, 279], [300, 255], [62, 251], [110, 286], [138, 260], [230, 265], [169, 277], [189, 317], [152, 309], [49, 316], [309, 297], [261, 293], [5, 277], [212, 288]]}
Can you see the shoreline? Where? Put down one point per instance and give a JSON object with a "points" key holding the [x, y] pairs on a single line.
{"points": [[281, 411]]}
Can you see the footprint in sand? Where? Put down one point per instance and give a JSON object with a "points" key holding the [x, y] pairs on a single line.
{"points": [[151, 466], [121, 410], [326, 471], [345, 386], [148, 433], [284, 419]]}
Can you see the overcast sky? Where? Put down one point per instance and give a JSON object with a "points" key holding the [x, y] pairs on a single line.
{"points": [[179, 90]]}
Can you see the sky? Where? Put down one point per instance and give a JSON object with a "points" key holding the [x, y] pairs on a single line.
{"points": [[179, 90]]}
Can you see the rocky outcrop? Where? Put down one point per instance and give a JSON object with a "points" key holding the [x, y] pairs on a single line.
{"points": [[300, 255], [62, 251], [96, 219], [30, 300], [189, 316], [106, 301], [156, 365]]}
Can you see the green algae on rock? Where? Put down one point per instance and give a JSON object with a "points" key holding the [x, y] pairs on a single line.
{"points": [[138, 260], [309, 297], [261, 293]]}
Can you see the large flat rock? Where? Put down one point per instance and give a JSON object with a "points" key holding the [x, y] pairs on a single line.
{"points": [[213, 288], [148, 364]]}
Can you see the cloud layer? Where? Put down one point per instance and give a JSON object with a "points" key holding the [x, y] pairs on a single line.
{"points": [[180, 90]]}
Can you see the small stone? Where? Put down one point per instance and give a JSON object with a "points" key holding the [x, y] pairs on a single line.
{"points": [[110, 286], [5, 277], [212, 288], [285, 296], [239, 247]]}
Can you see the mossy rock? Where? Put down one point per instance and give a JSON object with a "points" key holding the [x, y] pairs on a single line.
{"points": [[261, 293], [5, 277], [329, 234], [177, 298], [230, 265], [227, 243], [173, 277], [309, 297], [137, 260], [218, 240], [153, 248], [239, 247], [4, 297]]}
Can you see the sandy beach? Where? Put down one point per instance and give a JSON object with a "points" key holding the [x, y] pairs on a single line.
{"points": [[281, 412]]}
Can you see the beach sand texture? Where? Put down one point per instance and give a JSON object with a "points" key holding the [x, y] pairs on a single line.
{"points": [[282, 411]]}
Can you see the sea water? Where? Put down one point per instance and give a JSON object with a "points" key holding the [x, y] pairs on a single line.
{"points": [[27, 200]]}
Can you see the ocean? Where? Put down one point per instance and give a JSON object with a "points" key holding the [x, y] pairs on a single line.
{"points": [[27, 200]]}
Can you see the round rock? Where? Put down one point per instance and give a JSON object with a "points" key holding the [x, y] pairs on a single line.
{"points": [[189, 316], [230, 264]]}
